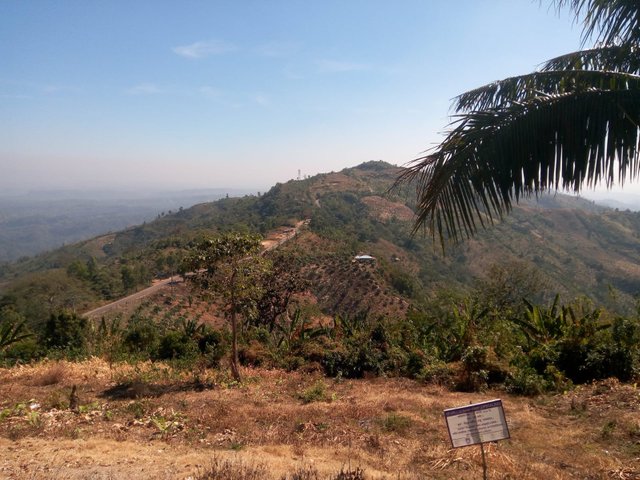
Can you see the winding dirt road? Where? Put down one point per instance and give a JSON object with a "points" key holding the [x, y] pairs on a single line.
{"points": [[273, 241]]}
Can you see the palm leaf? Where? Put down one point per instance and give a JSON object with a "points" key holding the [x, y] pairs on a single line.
{"points": [[494, 157], [12, 332], [612, 58], [607, 21], [547, 82]]}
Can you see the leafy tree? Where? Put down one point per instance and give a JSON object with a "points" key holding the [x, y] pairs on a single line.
{"points": [[507, 284], [570, 124], [281, 283], [128, 278], [229, 267]]}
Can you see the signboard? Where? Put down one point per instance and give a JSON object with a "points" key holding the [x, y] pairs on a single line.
{"points": [[476, 423]]}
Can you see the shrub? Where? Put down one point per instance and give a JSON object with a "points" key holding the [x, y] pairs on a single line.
{"points": [[51, 376], [395, 423], [308, 473], [23, 351], [348, 474], [176, 345], [65, 331], [141, 336], [475, 369], [315, 393], [212, 344], [526, 381], [437, 372], [254, 354]]}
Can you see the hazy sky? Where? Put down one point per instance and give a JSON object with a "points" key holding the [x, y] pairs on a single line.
{"points": [[241, 93]]}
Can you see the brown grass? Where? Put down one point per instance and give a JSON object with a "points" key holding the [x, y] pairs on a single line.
{"points": [[389, 428], [52, 375]]}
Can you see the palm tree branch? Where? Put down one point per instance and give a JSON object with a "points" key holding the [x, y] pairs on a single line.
{"points": [[491, 158], [548, 82], [607, 21], [611, 58]]}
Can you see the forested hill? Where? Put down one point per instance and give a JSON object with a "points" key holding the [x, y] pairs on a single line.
{"points": [[570, 245]]}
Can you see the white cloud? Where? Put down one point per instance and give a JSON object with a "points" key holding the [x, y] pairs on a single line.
{"points": [[145, 89], [203, 49], [337, 66]]}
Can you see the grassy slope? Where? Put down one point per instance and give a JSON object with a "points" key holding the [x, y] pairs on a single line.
{"points": [[132, 417]]}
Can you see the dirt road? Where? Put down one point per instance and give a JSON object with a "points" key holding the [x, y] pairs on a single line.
{"points": [[272, 241], [124, 303]]}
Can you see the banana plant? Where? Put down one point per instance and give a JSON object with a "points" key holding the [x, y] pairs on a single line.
{"points": [[547, 325], [12, 332]]}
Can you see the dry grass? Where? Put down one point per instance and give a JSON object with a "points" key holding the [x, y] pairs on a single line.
{"points": [[290, 423], [53, 375]]}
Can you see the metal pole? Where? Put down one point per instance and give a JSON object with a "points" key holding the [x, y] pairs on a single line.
{"points": [[484, 463]]}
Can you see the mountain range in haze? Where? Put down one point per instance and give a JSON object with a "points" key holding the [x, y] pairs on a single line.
{"points": [[37, 221]]}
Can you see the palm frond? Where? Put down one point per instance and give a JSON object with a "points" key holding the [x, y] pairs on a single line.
{"points": [[495, 156], [613, 58], [607, 21], [548, 82]]}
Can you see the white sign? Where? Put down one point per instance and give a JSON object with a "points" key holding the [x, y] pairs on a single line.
{"points": [[476, 423]]}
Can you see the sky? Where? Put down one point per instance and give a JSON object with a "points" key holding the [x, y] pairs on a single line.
{"points": [[245, 93]]}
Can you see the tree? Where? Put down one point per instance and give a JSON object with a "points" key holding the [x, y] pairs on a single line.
{"points": [[281, 283], [573, 123], [229, 268]]}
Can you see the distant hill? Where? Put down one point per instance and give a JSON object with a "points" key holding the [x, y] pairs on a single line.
{"points": [[38, 221], [576, 247]]}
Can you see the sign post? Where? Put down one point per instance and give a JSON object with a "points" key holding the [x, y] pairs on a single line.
{"points": [[476, 424]]}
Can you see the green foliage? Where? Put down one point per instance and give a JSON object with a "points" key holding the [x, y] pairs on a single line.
{"points": [[177, 345], [12, 327], [141, 336], [542, 131], [280, 283], [403, 283], [315, 393], [66, 331], [475, 371], [395, 422], [526, 381], [23, 351], [212, 344], [229, 267]]}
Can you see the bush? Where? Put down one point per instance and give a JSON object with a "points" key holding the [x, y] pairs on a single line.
{"points": [[176, 345], [437, 372], [65, 331], [526, 381], [141, 336], [315, 393], [395, 423], [23, 351], [254, 354], [475, 369], [211, 343]]}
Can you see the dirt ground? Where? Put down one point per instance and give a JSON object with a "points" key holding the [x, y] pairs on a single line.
{"points": [[151, 421]]}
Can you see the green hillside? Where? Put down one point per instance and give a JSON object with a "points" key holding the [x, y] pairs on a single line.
{"points": [[578, 248]]}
